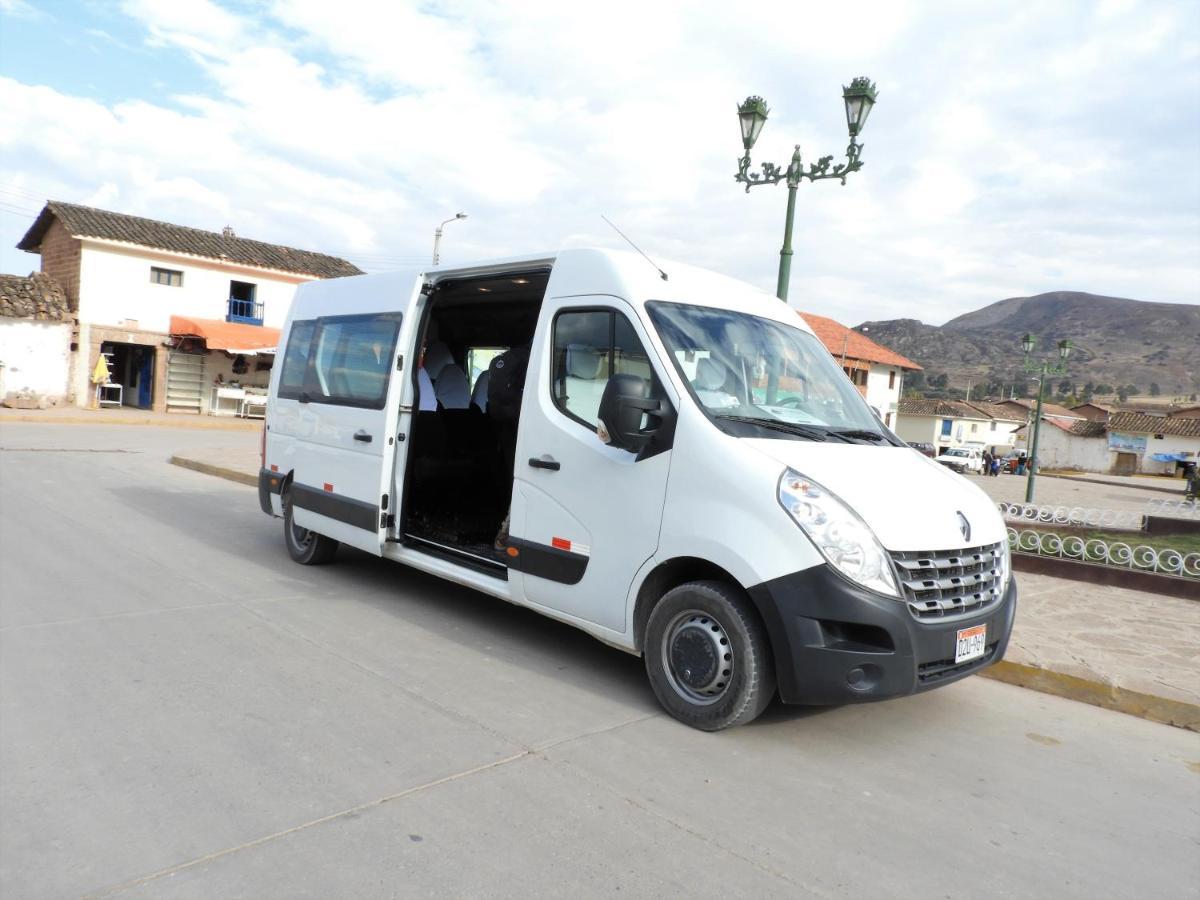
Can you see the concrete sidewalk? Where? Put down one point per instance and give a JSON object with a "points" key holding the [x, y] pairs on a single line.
{"points": [[1130, 651]]}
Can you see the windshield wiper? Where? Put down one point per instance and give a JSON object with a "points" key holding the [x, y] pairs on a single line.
{"points": [[798, 430], [858, 433]]}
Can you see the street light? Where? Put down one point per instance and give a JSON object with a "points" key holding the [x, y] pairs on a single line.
{"points": [[437, 235], [752, 115], [1041, 369]]}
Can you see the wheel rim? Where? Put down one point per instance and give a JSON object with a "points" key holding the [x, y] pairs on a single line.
{"points": [[697, 657], [301, 537]]}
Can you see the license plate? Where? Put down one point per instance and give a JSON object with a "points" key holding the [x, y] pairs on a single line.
{"points": [[970, 643]]}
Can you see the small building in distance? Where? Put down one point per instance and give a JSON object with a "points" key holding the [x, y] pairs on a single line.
{"points": [[125, 277], [956, 423]]}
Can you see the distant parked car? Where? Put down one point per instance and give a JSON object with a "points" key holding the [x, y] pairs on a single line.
{"points": [[924, 448], [962, 459], [1008, 463]]}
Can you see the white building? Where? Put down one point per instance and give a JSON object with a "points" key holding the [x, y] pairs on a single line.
{"points": [[955, 423], [1124, 443], [35, 337], [876, 371], [1070, 444], [125, 277]]}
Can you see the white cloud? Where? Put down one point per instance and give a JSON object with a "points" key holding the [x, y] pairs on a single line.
{"points": [[1013, 149]]}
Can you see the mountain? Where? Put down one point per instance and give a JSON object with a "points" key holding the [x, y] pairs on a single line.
{"points": [[1115, 341]]}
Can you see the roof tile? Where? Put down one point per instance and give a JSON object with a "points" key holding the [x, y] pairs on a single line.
{"points": [[84, 221], [836, 337]]}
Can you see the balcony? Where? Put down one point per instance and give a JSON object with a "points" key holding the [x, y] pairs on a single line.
{"points": [[247, 312]]}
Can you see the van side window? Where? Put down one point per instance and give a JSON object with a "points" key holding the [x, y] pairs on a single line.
{"points": [[352, 358], [295, 360], [589, 347]]}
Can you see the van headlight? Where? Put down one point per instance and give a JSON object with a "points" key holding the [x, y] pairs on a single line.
{"points": [[842, 537]]}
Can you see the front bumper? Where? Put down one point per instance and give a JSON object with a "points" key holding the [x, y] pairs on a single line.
{"points": [[268, 483], [836, 643]]}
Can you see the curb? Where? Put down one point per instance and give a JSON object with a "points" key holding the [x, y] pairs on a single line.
{"points": [[1096, 693], [209, 469], [194, 424], [1093, 573], [1137, 487], [1179, 713]]}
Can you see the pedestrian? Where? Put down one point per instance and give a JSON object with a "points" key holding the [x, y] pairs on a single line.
{"points": [[987, 463], [995, 467]]}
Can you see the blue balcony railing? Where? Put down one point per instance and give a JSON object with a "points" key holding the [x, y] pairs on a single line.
{"points": [[248, 312]]}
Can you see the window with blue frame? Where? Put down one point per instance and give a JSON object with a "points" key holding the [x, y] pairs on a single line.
{"points": [[243, 306], [947, 427]]}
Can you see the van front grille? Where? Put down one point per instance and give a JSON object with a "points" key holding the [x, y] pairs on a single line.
{"points": [[946, 584]]}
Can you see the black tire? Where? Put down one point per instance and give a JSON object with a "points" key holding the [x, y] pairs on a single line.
{"points": [[708, 657], [306, 547]]}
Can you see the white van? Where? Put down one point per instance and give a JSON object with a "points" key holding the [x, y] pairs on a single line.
{"points": [[962, 460], [692, 478]]}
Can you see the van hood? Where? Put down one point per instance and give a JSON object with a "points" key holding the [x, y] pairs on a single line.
{"points": [[908, 500]]}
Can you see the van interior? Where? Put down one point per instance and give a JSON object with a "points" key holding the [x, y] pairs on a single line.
{"points": [[459, 473]]}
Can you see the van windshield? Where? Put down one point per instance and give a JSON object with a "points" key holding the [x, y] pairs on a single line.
{"points": [[749, 370]]}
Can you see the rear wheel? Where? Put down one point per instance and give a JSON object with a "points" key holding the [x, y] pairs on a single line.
{"points": [[306, 547], [708, 657]]}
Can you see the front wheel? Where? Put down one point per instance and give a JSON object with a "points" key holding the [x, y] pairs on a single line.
{"points": [[708, 657], [306, 547]]}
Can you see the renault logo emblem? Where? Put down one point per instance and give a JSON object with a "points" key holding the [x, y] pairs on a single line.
{"points": [[964, 526]]}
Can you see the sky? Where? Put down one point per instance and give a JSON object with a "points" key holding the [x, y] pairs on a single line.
{"points": [[1015, 148]]}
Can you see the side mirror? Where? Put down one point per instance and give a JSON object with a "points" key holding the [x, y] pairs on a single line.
{"points": [[624, 402]]}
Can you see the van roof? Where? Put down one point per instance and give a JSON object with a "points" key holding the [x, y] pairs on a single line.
{"points": [[576, 270]]}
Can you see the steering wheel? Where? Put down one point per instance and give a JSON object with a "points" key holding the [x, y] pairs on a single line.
{"points": [[789, 402]]}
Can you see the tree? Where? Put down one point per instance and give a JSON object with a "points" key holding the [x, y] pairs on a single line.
{"points": [[1121, 394], [912, 394], [1105, 389], [1193, 397], [1065, 387], [939, 381], [1131, 390], [1154, 391]]}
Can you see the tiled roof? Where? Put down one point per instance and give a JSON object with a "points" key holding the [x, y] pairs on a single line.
{"points": [[37, 297], [1137, 423], [835, 336], [956, 409], [997, 411], [1080, 427], [1048, 409], [84, 222]]}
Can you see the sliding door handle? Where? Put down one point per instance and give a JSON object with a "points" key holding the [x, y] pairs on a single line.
{"points": [[545, 462], [361, 435]]}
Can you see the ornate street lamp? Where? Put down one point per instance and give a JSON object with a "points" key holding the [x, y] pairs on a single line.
{"points": [[1041, 370], [437, 234], [752, 115]]}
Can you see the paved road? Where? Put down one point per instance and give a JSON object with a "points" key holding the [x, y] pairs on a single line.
{"points": [[185, 713]]}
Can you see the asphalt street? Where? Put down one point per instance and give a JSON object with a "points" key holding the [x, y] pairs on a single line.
{"points": [[184, 712]]}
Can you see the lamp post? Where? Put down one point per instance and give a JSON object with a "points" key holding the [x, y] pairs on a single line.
{"points": [[1041, 369], [437, 234], [859, 98]]}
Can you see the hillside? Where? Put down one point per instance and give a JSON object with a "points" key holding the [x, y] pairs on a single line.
{"points": [[1117, 342]]}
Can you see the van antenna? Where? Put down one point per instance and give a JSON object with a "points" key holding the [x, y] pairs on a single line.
{"points": [[635, 247]]}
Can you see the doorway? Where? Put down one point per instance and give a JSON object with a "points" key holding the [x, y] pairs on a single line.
{"points": [[1126, 464], [132, 367]]}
